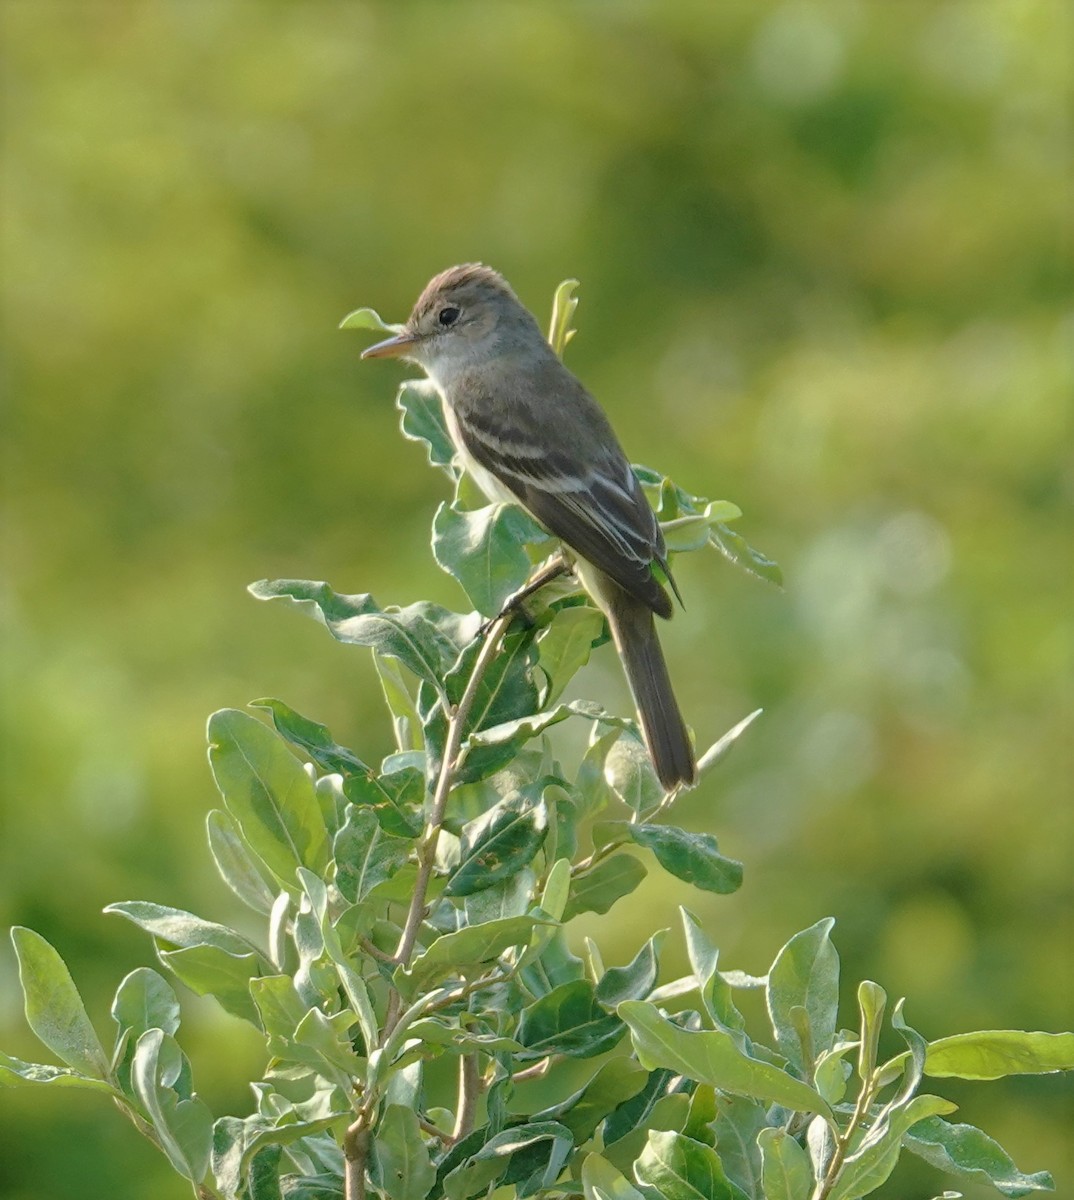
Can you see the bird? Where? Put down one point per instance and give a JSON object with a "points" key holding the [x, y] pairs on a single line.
{"points": [[527, 430]]}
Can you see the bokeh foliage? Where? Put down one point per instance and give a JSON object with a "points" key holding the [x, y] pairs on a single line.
{"points": [[823, 272]]}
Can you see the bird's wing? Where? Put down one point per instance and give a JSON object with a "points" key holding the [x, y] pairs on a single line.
{"points": [[596, 506]]}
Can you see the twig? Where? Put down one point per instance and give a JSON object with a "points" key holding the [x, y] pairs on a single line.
{"points": [[427, 852], [434, 1131], [375, 951], [597, 856], [493, 635], [842, 1141], [537, 1071]]}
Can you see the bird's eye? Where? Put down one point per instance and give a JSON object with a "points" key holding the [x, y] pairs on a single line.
{"points": [[448, 316]]}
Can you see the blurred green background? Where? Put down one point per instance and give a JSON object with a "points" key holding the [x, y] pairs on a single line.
{"points": [[823, 251]]}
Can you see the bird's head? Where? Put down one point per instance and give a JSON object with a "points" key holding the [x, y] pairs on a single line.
{"points": [[466, 315]]}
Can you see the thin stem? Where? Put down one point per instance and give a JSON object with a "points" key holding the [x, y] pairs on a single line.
{"points": [[493, 635], [433, 1131], [448, 766], [596, 857], [843, 1140], [374, 951], [537, 1071], [469, 1087]]}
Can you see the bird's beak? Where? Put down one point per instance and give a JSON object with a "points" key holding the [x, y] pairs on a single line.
{"points": [[392, 347]]}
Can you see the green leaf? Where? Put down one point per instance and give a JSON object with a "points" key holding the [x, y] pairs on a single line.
{"points": [[993, 1053], [462, 1041], [557, 889], [681, 1169], [693, 530], [423, 637], [565, 645], [238, 867], [637, 979], [278, 1005], [512, 897], [399, 1165], [713, 1057], [183, 1124], [368, 318], [54, 1009], [395, 798], [534, 1165], [568, 1020], [423, 421], [734, 547], [323, 1042], [524, 728], [914, 1067], [506, 691], [264, 1175], [498, 844], [601, 1181], [965, 1151], [16, 1073], [628, 771], [598, 889], [405, 720], [180, 928], [365, 855], [720, 749], [786, 1172], [237, 1142], [716, 994], [805, 976], [564, 302], [268, 793], [210, 971], [877, 1153], [485, 550], [694, 857], [872, 1000], [453, 953], [668, 1115], [616, 1081], [312, 738], [832, 1071], [636, 1113], [549, 962], [144, 1000], [517, 1155], [737, 1128]]}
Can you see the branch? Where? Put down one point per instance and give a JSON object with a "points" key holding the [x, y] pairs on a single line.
{"points": [[469, 1087], [355, 1157], [493, 634], [448, 767]]}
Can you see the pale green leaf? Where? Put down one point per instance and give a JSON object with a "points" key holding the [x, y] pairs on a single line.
{"points": [[713, 1057], [994, 1053], [183, 1124], [54, 1009], [268, 793], [786, 1172]]}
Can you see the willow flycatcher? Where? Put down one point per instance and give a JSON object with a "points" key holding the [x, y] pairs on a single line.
{"points": [[530, 434]]}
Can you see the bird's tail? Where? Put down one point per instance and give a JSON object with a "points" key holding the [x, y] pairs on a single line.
{"points": [[634, 631]]}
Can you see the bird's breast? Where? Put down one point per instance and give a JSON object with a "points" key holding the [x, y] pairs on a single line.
{"points": [[497, 492]]}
